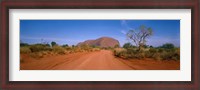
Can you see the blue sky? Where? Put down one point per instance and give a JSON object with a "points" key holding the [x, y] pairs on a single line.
{"points": [[72, 32]]}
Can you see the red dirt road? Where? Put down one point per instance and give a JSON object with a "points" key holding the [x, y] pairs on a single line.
{"points": [[99, 60]]}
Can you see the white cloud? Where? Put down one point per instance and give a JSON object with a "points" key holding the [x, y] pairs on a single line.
{"points": [[125, 24], [123, 32]]}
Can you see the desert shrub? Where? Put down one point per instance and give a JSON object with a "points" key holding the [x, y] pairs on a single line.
{"points": [[165, 52], [73, 46], [24, 44], [94, 46], [129, 53], [65, 45], [157, 56], [58, 50], [177, 54], [108, 48], [176, 57], [150, 53], [25, 49], [128, 45], [131, 50], [116, 46], [76, 49], [45, 53], [172, 54], [95, 49], [146, 46], [152, 50], [178, 51], [39, 47], [160, 50], [138, 55], [168, 46], [150, 46], [154, 53], [67, 48], [132, 53], [123, 54], [166, 55], [86, 47], [119, 52]]}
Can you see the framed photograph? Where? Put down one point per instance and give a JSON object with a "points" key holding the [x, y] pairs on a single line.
{"points": [[129, 44]]}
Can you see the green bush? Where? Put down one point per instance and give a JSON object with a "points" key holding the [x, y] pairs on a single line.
{"points": [[168, 46], [140, 55], [25, 50], [155, 53], [65, 45], [67, 48], [128, 45], [150, 53], [85, 47], [39, 47], [157, 56], [171, 54], [119, 52], [116, 46], [152, 50], [58, 50], [95, 49], [129, 53], [160, 50], [164, 54], [24, 44]]}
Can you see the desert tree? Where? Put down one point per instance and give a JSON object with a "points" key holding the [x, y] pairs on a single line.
{"points": [[128, 45], [23, 44], [53, 43], [73, 46], [139, 37], [168, 46], [65, 45]]}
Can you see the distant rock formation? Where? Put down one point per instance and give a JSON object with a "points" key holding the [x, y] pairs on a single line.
{"points": [[101, 42]]}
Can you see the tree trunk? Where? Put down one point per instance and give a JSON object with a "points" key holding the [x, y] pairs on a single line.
{"points": [[140, 47]]}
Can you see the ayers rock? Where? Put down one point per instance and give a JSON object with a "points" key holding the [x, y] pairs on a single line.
{"points": [[101, 42]]}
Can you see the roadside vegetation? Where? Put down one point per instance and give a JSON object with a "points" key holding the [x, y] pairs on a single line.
{"points": [[140, 50], [43, 50], [165, 52]]}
